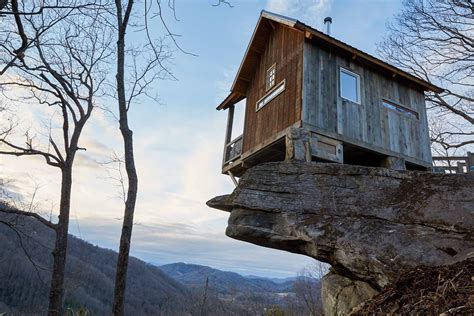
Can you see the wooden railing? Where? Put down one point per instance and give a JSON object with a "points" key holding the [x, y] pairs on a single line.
{"points": [[454, 164], [233, 150]]}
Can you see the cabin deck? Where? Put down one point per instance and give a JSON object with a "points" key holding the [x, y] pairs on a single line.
{"points": [[273, 149], [311, 144], [454, 164]]}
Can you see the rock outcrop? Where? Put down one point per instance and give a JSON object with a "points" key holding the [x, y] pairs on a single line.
{"points": [[341, 294], [369, 224]]}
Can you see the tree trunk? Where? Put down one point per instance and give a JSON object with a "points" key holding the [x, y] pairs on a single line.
{"points": [[60, 247], [125, 239], [127, 134]]}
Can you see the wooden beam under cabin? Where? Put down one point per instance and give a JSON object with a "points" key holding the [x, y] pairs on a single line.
{"points": [[228, 132]]}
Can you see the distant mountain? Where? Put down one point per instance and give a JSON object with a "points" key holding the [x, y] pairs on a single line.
{"points": [[223, 282], [276, 280], [173, 289], [89, 277]]}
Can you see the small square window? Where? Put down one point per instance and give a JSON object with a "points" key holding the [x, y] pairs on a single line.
{"points": [[271, 77], [349, 85]]}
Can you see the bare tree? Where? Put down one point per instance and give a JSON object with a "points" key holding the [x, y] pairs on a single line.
{"points": [[11, 7], [61, 70], [434, 39], [136, 69], [143, 74], [308, 287]]}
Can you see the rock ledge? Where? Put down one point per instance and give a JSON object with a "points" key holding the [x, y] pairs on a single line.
{"points": [[369, 224]]}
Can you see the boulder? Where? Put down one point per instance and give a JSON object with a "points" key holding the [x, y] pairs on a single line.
{"points": [[341, 295], [369, 224]]}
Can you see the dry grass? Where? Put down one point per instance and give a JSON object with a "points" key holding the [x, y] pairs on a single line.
{"points": [[443, 290]]}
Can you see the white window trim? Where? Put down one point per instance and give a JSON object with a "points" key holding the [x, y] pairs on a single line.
{"points": [[357, 76], [271, 94], [267, 88]]}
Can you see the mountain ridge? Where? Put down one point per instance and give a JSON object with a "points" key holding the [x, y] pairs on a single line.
{"points": [[225, 282], [89, 279], [90, 274]]}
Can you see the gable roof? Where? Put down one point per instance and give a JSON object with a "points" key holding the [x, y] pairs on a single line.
{"points": [[257, 45]]}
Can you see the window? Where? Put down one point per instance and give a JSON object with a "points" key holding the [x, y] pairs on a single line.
{"points": [[272, 94], [270, 79], [400, 109], [349, 85]]}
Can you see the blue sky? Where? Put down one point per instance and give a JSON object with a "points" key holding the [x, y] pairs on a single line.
{"points": [[179, 142]]}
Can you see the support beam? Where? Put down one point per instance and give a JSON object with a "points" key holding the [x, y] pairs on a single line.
{"points": [[228, 132], [303, 145], [231, 175]]}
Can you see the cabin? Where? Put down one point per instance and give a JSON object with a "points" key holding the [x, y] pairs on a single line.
{"points": [[311, 97]]}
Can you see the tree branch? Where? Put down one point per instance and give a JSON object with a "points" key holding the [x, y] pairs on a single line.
{"points": [[10, 210]]}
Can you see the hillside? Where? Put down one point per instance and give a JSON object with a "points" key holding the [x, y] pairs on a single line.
{"points": [[173, 289], [223, 282], [89, 276], [247, 295]]}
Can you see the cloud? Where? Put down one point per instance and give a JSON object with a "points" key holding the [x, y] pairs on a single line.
{"points": [[167, 242], [311, 12], [178, 154]]}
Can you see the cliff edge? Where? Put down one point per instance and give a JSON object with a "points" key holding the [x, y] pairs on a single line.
{"points": [[369, 224]]}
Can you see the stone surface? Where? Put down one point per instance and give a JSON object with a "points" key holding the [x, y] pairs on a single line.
{"points": [[370, 224], [297, 145], [395, 163], [341, 294]]}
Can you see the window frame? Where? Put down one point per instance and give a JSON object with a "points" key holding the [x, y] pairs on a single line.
{"points": [[270, 95], [400, 109], [358, 84], [269, 86]]}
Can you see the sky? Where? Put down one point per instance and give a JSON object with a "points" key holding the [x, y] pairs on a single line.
{"points": [[179, 142]]}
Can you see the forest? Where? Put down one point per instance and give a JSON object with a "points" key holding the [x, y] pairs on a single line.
{"points": [[173, 289]]}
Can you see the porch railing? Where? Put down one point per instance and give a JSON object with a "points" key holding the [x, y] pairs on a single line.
{"points": [[233, 150], [454, 164]]}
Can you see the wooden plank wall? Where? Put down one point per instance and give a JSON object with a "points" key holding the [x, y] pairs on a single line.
{"points": [[368, 124], [285, 48]]}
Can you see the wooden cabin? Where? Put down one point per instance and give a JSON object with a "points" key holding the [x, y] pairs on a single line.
{"points": [[309, 96]]}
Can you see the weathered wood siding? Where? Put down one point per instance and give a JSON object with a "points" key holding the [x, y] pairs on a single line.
{"points": [[368, 124], [285, 48]]}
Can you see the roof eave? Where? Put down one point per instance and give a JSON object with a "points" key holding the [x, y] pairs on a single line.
{"points": [[231, 99], [263, 15]]}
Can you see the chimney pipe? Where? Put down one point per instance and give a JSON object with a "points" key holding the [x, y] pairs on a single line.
{"points": [[328, 22]]}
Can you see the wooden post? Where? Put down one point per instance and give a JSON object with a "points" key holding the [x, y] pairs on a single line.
{"points": [[470, 162], [228, 132], [460, 167]]}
